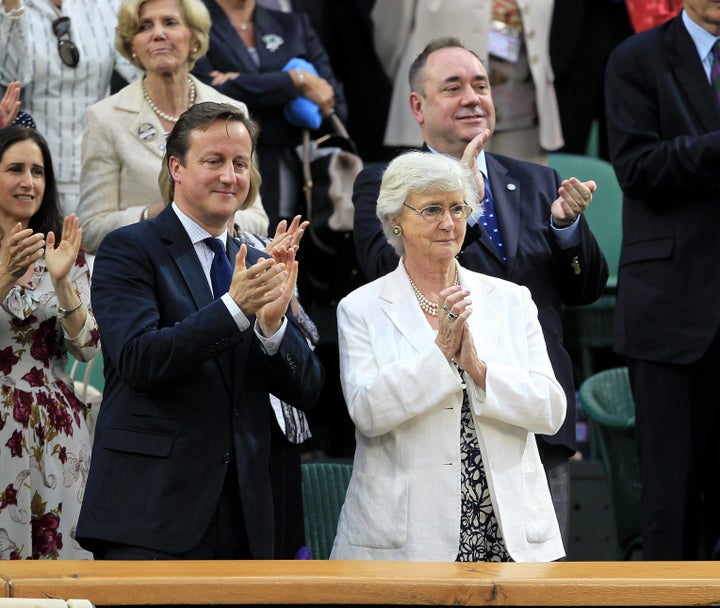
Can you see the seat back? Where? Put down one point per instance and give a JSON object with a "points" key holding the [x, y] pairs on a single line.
{"points": [[324, 484], [608, 402], [604, 215], [89, 382]]}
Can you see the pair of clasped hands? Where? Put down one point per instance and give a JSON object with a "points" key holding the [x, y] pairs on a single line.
{"points": [[266, 288]]}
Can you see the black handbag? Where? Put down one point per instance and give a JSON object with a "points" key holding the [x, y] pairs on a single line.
{"points": [[330, 165]]}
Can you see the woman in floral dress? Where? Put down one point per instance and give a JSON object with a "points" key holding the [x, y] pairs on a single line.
{"points": [[44, 313]]}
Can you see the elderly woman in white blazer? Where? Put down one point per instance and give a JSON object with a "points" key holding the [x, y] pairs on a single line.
{"points": [[124, 135], [447, 378]]}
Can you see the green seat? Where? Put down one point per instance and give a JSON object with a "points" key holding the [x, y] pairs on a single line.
{"points": [[89, 380], [87, 375], [587, 328], [324, 484], [608, 402]]}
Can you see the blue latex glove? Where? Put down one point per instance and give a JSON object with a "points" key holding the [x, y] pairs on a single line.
{"points": [[302, 112]]}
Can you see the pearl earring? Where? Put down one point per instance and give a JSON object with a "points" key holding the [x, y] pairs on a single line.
{"points": [[397, 230]]}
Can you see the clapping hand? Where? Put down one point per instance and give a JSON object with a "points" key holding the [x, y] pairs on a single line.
{"points": [[288, 238], [469, 159], [575, 197], [265, 288], [10, 104], [61, 258], [24, 249]]}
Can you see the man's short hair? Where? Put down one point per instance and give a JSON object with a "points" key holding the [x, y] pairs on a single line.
{"points": [[201, 117], [415, 75]]}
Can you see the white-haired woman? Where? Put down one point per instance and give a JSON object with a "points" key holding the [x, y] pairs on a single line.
{"points": [[447, 379]]}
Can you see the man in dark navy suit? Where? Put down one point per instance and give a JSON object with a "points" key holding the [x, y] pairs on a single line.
{"points": [[664, 132], [180, 460], [544, 241]]}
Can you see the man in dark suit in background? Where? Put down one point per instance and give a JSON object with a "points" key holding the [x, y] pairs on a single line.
{"points": [[180, 459], [664, 132], [546, 242], [582, 35]]}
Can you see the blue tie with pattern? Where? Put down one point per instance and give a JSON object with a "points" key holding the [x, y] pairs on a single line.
{"points": [[220, 270], [489, 220]]}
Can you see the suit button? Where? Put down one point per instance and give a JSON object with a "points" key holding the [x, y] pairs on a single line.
{"points": [[236, 411], [227, 457]]}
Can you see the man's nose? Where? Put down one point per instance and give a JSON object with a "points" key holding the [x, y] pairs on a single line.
{"points": [[227, 173]]}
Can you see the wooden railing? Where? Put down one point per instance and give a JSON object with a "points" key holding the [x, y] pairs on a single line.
{"points": [[366, 583]]}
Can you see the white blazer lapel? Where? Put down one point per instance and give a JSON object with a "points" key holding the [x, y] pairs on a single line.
{"points": [[400, 305], [488, 311]]}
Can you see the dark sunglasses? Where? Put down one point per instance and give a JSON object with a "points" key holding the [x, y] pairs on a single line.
{"points": [[67, 50]]}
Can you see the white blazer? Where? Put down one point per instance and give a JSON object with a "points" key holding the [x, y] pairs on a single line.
{"points": [[402, 28], [403, 501], [122, 150]]}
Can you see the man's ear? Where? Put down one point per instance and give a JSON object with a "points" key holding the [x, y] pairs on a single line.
{"points": [[174, 166], [416, 107]]}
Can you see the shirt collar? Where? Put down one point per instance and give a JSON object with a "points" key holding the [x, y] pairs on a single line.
{"points": [[702, 39], [194, 230]]}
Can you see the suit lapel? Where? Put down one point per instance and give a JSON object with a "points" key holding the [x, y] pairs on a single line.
{"points": [[183, 254], [268, 35], [229, 40], [400, 305], [506, 195], [145, 127], [485, 326], [691, 75]]}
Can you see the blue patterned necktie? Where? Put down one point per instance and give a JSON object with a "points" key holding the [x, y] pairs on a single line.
{"points": [[220, 270], [715, 71], [489, 220]]}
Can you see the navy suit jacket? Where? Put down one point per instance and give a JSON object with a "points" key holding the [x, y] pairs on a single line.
{"points": [[266, 88], [523, 193], [664, 133], [186, 393]]}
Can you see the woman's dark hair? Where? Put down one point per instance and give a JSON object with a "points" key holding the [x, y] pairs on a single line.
{"points": [[48, 217]]}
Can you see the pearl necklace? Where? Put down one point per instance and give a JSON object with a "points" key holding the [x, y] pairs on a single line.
{"points": [[162, 114], [427, 306]]}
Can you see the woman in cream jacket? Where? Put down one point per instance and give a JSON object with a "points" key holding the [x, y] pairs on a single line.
{"points": [[124, 135], [447, 378]]}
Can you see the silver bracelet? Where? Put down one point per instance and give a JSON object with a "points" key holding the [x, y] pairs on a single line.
{"points": [[300, 78], [62, 313]]}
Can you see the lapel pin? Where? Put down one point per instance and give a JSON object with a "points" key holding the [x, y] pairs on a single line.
{"points": [[511, 187], [146, 132], [272, 42]]}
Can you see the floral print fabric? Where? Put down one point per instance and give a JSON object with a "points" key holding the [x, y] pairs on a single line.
{"points": [[44, 439], [480, 535]]}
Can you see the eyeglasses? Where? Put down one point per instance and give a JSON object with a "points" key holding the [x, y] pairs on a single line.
{"points": [[67, 50], [434, 213]]}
